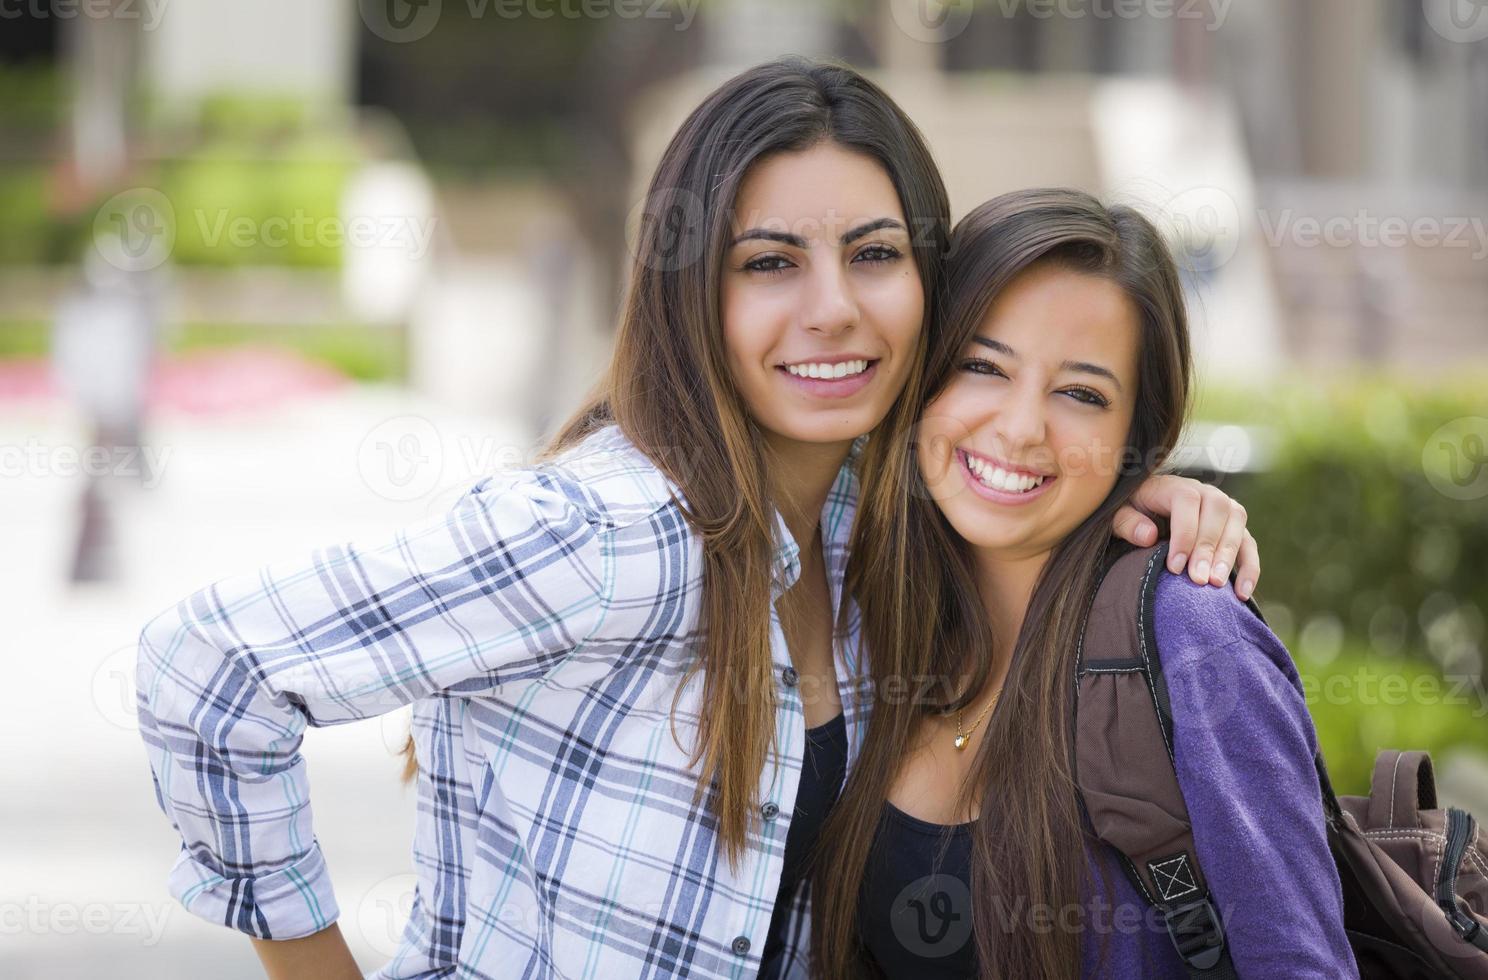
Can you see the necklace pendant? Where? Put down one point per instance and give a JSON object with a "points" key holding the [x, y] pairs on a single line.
{"points": [[961, 740]]}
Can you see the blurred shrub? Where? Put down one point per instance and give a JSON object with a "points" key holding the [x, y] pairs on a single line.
{"points": [[1361, 704], [365, 353], [28, 234], [257, 184], [1367, 562], [238, 202], [33, 96]]}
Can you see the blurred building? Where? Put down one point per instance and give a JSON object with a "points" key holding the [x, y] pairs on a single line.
{"points": [[1322, 165]]}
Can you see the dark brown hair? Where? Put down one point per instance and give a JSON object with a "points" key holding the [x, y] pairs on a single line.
{"points": [[922, 616], [669, 388]]}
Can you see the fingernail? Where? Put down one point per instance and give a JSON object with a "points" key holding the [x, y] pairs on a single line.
{"points": [[1175, 563], [1202, 568], [1221, 571], [1245, 588]]}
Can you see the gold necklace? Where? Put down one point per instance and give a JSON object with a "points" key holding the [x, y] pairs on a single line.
{"points": [[962, 737]]}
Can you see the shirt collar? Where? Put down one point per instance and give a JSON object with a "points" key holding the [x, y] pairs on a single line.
{"points": [[642, 482], [836, 524]]}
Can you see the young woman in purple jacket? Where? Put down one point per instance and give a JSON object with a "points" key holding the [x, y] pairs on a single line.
{"points": [[1059, 382]]}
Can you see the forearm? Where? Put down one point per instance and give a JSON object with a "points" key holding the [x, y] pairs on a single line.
{"points": [[320, 956]]}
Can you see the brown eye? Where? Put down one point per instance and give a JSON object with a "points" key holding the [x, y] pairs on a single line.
{"points": [[768, 263], [878, 253], [978, 365], [1087, 396]]}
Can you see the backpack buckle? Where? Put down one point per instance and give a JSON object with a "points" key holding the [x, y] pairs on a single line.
{"points": [[1196, 933]]}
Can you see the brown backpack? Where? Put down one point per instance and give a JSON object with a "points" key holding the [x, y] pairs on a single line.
{"points": [[1414, 877]]}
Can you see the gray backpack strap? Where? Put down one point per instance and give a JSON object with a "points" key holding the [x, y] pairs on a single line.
{"points": [[1123, 762]]}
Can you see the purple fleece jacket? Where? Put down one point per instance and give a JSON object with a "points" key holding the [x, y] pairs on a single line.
{"points": [[1243, 744]]}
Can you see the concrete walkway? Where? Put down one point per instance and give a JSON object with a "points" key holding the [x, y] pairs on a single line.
{"points": [[84, 860]]}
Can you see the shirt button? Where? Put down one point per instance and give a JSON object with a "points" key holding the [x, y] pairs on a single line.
{"points": [[790, 676], [741, 944], [770, 811]]}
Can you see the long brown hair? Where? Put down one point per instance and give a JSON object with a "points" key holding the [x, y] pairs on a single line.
{"points": [[669, 388], [923, 618]]}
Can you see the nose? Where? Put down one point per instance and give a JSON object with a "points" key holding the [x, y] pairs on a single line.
{"points": [[1020, 418], [829, 307]]}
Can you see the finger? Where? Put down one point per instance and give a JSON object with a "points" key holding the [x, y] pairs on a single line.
{"points": [[1184, 503], [1134, 526], [1229, 546], [1214, 514], [1250, 567]]}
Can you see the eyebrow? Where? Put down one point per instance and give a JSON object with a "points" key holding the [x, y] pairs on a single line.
{"points": [[796, 241], [1084, 367]]}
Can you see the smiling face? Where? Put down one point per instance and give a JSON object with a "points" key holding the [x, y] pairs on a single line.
{"points": [[822, 301], [1026, 439]]}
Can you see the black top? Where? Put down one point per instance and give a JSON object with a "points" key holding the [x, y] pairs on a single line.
{"points": [[822, 771], [914, 911]]}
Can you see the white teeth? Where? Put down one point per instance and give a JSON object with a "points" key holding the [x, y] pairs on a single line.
{"points": [[841, 369], [1000, 479]]}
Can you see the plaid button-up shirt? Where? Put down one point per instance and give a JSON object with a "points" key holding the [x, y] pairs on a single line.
{"points": [[539, 628]]}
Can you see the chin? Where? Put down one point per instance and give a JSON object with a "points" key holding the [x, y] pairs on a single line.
{"points": [[825, 428], [987, 536]]}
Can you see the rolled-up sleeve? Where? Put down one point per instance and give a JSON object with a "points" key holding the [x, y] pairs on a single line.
{"points": [[497, 589]]}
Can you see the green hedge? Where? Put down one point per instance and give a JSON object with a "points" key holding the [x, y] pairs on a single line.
{"points": [[1362, 703], [257, 184], [364, 353], [1366, 562]]}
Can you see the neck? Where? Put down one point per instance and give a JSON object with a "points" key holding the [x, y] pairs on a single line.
{"points": [[1005, 582], [801, 476]]}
